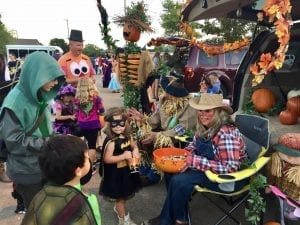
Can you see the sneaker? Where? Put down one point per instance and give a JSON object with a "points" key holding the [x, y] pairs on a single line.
{"points": [[20, 209], [128, 220], [153, 221]]}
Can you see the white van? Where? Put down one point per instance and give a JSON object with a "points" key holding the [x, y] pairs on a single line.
{"points": [[22, 50]]}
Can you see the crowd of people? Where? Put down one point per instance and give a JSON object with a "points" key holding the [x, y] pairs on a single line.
{"points": [[50, 158]]}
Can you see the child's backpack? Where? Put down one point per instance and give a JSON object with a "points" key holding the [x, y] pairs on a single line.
{"points": [[57, 205]]}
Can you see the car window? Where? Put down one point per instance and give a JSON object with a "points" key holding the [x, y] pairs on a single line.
{"points": [[204, 59], [234, 58]]}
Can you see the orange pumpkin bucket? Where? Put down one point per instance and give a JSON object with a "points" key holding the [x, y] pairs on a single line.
{"points": [[102, 121], [170, 160]]}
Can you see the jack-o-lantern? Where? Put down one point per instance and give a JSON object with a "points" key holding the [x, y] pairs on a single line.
{"points": [[131, 32]]}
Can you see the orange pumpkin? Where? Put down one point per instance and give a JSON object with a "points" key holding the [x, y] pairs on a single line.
{"points": [[131, 32], [263, 99], [293, 105], [272, 223], [288, 118]]}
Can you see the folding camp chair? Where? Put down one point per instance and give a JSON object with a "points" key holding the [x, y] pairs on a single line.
{"points": [[256, 134]]}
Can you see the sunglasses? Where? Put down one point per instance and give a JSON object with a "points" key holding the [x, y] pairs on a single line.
{"points": [[276, 191], [115, 123]]}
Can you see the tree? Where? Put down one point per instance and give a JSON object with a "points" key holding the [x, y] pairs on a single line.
{"points": [[227, 30], [59, 42], [92, 50], [6, 37], [171, 18]]}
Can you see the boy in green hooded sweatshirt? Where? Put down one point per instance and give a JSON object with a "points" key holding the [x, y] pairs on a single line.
{"points": [[25, 122]]}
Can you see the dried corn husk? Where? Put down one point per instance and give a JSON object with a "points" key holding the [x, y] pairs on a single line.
{"points": [[172, 105], [134, 56], [133, 61], [162, 141], [132, 76], [132, 71], [293, 175], [133, 66]]}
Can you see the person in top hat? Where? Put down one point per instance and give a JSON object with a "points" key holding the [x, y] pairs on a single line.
{"points": [[217, 146], [74, 63], [173, 117]]}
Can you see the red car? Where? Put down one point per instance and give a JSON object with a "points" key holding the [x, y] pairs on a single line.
{"points": [[224, 65]]}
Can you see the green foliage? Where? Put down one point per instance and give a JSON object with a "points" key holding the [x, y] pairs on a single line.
{"points": [[278, 107], [161, 70], [226, 29], [6, 37], [132, 48], [131, 93], [59, 42], [137, 16], [171, 18], [131, 96], [107, 38], [256, 204], [91, 50], [138, 11]]}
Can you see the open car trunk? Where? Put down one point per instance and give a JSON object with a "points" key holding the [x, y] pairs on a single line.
{"points": [[281, 81]]}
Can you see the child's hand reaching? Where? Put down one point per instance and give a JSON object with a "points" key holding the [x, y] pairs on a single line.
{"points": [[127, 155], [136, 154], [72, 117]]}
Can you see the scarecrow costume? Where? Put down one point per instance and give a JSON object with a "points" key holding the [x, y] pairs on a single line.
{"points": [[175, 116], [284, 173], [284, 167]]}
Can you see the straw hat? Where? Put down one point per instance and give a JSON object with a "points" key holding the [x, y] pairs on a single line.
{"points": [[209, 101], [288, 144]]}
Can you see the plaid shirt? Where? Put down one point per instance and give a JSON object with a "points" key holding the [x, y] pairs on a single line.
{"points": [[229, 151]]}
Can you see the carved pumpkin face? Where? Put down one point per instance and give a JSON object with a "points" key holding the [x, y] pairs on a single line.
{"points": [[131, 32]]}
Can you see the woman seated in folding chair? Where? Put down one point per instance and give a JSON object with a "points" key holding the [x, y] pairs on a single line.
{"points": [[217, 146]]}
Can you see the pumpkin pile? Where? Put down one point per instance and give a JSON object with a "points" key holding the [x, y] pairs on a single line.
{"points": [[290, 115]]}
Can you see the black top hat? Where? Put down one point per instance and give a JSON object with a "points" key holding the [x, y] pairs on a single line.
{"points": [[76, 35], [174, 85]]}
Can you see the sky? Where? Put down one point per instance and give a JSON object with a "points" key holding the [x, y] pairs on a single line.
{"points": [[48, 19]]}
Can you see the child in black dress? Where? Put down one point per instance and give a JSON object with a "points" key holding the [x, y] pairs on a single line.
{"points": [[118, 182]]}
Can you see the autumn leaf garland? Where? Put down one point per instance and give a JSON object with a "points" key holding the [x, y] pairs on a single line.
{"points": [[278, 12]]}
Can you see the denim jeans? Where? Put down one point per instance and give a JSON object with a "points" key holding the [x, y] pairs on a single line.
{"points": [[179, 189]]}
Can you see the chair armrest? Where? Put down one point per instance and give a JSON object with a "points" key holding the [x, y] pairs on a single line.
{"points": [[263, 151], [183, 138], [238, 175]]}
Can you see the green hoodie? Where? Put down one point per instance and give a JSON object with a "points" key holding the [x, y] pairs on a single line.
{"points": [[26, 100], [25, 103]]}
